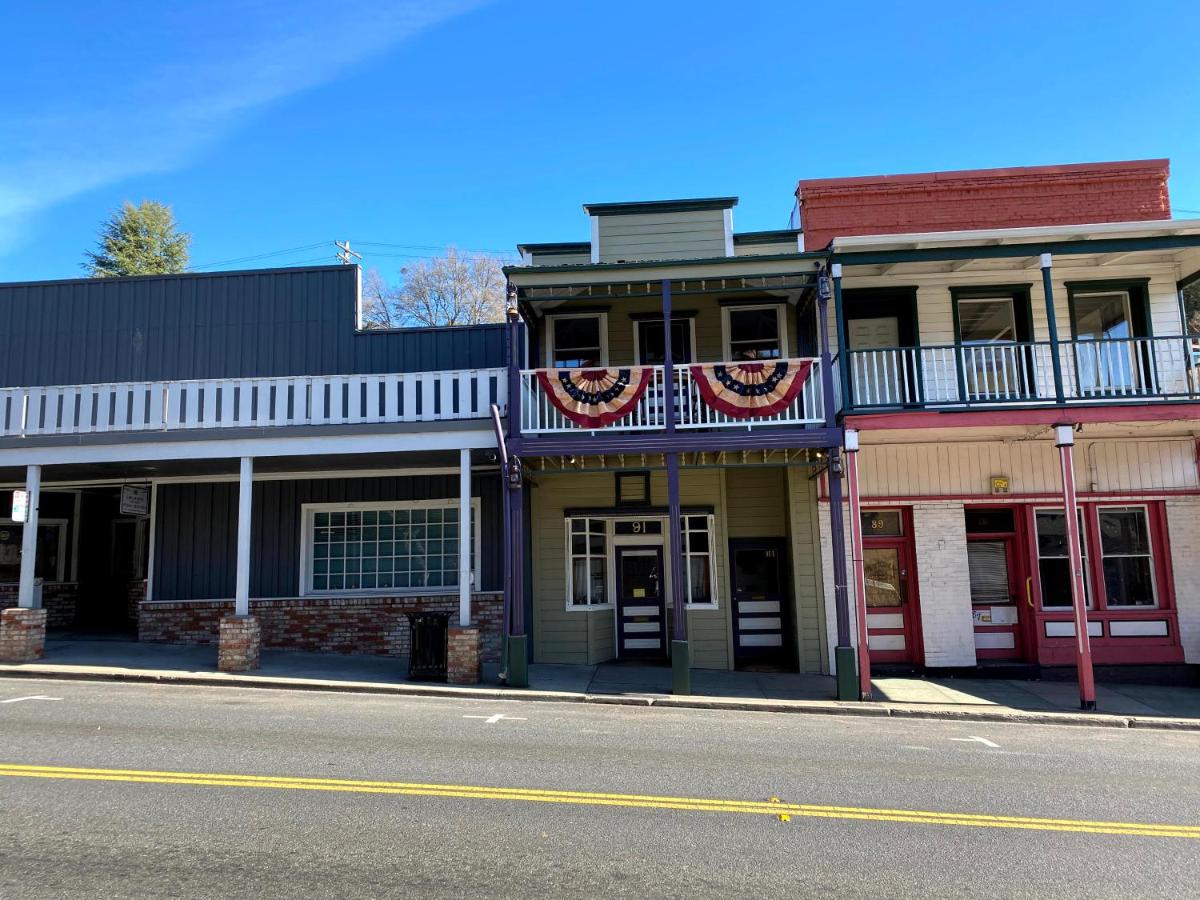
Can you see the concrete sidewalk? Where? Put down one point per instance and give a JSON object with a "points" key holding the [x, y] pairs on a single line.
{"points": [[964, 699]]}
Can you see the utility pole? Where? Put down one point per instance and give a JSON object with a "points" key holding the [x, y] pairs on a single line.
{"points": [[345, 254]]}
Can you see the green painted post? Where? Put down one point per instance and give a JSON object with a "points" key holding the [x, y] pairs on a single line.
{"points": [[1052, 328]]}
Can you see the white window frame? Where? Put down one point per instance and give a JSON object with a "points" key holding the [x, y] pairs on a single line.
{"points": [[1089, 592], [61, 525], [637, 336], [614, 541], [1149, 555], [602, 317], [609, 566], [712, 564], [306, 544], [781, 318]]}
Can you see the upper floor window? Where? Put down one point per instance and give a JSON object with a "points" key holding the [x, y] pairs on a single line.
{"points": [[755, 332], [577, 341], [652, 344]]}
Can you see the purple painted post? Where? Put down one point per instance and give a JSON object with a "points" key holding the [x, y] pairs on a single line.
{"points": [[681, 661]]}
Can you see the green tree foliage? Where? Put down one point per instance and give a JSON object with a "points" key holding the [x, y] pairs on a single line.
{"points": [[139, 240]]}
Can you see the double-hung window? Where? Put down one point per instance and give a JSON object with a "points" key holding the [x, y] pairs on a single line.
{"points": [[1125, 553], [698, 560], [1054, 564], [578, 341], [755, 333], [1125, 576], [380, 547], [587, 569]]}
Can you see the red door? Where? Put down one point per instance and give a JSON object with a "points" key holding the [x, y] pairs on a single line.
{"points": [[893, 618], [999, 587]]}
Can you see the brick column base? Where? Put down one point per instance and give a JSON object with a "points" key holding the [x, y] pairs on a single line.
{"points": [[462, 655], [240, 643], [22, 634]]}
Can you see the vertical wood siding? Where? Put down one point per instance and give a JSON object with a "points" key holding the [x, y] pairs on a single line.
{"points": [[903, 470], [196, 530]]}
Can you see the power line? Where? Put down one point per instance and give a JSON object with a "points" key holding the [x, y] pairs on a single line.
{"points": [[439, 250], [240, 259]]}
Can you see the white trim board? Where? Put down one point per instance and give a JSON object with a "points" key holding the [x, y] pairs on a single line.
{"points": [[474, 439]]}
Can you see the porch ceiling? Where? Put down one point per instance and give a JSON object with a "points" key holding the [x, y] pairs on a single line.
{"points": [[878, 430], [1015, 250]]}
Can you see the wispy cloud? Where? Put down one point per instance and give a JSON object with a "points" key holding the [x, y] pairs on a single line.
{"points": [[196, 74]]}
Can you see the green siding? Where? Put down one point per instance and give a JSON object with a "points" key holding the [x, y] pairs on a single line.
{"points": [[806, 571], [697, 234]]}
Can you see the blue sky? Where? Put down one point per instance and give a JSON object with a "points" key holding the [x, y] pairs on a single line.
{"points": [[288, 123]]}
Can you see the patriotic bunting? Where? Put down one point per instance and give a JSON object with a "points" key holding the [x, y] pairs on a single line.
{"points": [[593, 398], [750, 389]]}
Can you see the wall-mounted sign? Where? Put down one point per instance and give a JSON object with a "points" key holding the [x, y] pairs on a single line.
{"points": [[135, 500], [1000, 484], [20, 506]]}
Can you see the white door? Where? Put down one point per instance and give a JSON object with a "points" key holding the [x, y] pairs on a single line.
{"points": [[878, 369]]}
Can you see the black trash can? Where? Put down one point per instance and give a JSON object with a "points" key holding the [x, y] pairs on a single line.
{"points": [[427, 651]]}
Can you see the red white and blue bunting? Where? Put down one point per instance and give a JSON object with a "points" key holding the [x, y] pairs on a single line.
{"points": [[751, 389], [594, 398]]}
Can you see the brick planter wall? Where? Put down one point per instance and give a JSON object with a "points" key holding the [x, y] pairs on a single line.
{"points": [[373, 625], [22, 634], [59, 600], [239, 644]]}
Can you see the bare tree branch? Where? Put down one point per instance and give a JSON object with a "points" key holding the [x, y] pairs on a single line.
{"points": [[455, 289]]}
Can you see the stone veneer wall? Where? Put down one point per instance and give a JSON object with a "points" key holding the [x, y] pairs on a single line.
{"points": [[58, 599], [372, 625]]}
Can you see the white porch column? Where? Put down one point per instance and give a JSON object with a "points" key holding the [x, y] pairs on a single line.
{"points": [[464, 537], [26, 597], [241, 596]]}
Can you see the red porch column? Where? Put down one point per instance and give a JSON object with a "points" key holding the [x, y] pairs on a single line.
{"points": [[1065, 441], [856, 559]]}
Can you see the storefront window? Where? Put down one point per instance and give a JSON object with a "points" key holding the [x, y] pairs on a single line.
{"points": [[1125, 551], [1054, 567], [51, 545], [589, 562], [405, 546]]}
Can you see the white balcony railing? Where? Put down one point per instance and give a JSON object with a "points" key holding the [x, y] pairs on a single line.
{"points": [[1092, 371], [251, 402], [540, 416]]}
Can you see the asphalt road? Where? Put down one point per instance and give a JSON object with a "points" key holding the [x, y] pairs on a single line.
{"points": [[106, 832]]}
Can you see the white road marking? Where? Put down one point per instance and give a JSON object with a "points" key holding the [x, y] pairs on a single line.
{"points": [[33, 697], [978, 740], [492, 720], [914, 747]]}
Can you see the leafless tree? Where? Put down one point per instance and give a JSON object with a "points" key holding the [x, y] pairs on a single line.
{"points": [[454, 289]]}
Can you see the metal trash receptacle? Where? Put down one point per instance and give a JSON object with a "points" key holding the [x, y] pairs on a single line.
{"points": [[427, 650]]}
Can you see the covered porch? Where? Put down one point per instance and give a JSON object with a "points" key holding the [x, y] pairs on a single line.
{"points": [[323, 541]]}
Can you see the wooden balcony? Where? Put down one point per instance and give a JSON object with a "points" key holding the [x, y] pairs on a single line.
{"points": [[1101, 371], [171, 406], [541, 416]]}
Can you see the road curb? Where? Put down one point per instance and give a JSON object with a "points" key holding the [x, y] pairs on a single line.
{"points": [[867, 709]]}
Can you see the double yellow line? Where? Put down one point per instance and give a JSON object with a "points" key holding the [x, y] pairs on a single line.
{"points": [[588, 798]]}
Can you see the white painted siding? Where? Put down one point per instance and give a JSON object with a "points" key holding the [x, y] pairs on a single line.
{"points": [[908, 470], [943, 581], [1183, 525]]}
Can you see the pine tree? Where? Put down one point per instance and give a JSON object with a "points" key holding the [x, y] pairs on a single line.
{"points": [[139, 240]]}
